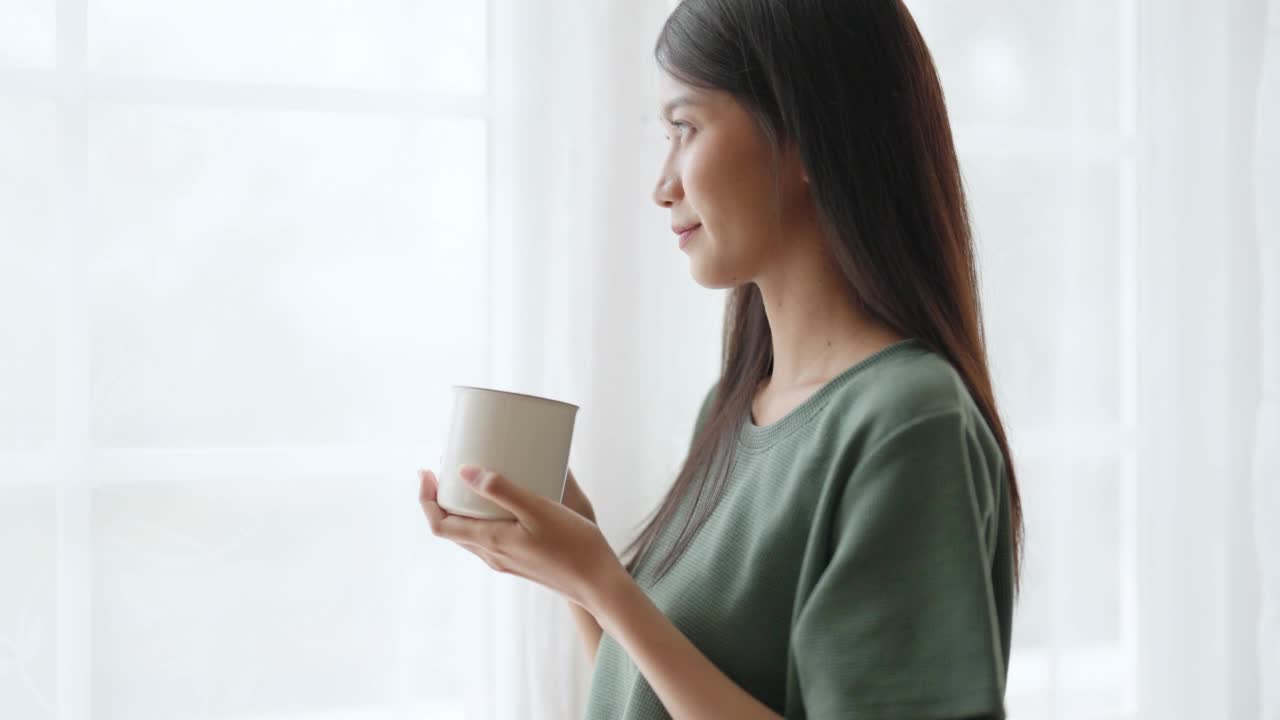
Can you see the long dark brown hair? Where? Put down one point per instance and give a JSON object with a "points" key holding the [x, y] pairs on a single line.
{"points": [[851, 84]]}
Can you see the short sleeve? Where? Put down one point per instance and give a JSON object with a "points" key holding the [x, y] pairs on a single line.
{"points": [[902, 622]]}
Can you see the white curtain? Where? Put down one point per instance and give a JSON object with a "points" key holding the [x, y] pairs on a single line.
{"points": [[245, 248], [594, 300], [1266, 471]]}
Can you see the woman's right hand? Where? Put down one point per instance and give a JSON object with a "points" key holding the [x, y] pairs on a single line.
{"points": [[576, 500]]}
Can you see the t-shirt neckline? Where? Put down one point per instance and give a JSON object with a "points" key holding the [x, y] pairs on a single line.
{"points": [[756, 437]]}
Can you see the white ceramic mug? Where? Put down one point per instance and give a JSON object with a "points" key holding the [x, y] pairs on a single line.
{"points": [[525, 438]]}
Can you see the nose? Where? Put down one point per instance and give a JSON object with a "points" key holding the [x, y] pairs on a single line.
{"points": [[668, 190]]}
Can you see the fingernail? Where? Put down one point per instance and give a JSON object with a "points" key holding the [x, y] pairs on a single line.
{"points": [[469, 472]]}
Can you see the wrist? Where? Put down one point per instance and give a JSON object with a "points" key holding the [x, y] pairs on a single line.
{"points": [[611, 596]]}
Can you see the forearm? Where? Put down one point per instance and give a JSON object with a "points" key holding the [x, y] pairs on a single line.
{"points": [[689, 685], [588, 628]]}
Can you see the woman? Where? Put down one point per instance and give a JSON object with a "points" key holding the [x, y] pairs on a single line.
{"points": [[843, 538]]}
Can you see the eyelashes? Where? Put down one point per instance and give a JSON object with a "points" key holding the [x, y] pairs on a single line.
{"points": [[677, 124]]}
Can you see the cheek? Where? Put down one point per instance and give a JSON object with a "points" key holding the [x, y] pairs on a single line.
{"points": [[699, 180], [716, 182]]}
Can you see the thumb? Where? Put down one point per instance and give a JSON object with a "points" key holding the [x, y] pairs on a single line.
{"points": [[496, 487]]}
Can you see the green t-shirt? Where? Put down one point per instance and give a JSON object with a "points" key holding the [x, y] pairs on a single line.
{"points": [[858, 564]]}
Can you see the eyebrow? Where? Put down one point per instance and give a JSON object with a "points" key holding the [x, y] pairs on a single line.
{"points": [[675, 103]]}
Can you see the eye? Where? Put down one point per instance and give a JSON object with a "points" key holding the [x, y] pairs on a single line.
{"points": [[677, 124]]}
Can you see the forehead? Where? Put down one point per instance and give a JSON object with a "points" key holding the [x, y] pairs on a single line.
{"points": [[673, 94]]}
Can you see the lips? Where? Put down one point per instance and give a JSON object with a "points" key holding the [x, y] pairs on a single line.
{"points": [[682, 229], [684, 236]]}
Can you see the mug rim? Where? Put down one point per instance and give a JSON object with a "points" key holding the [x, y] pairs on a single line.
{"points": [[519, 394]]}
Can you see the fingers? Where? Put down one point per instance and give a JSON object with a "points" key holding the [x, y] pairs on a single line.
{"points": [[426, 485], [492, 535], [488, 534], [436, 515], [518, 501], [482, 538]]}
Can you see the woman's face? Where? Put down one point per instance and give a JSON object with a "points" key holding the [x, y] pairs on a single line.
{"points": [[718, 173]]}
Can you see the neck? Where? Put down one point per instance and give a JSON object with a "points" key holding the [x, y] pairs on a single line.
{"points": [[818, 328]]}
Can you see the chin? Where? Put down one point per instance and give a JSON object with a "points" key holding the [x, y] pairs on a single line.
{"points": [[718, 281]]}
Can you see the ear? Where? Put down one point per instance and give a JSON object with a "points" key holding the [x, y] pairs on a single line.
{"points": [[793, 161]]}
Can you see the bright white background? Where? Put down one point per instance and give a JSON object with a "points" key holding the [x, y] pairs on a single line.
{"points": [[246, 247]]}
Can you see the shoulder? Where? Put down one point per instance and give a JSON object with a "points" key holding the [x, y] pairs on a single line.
{"points": [[904, 395], [906, 386], [907, 430]]}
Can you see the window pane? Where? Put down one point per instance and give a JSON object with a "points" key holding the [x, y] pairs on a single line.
{"points": [[1074, 513], [1090, 526], [266, 279], [1069, 640], [26, 33], [1045, 231], [27, 281], [250, 597], [1021, 63], [346, 43], [28, 602]]}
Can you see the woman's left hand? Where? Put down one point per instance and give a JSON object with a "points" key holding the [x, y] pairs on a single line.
{"points": [[547, 542]]}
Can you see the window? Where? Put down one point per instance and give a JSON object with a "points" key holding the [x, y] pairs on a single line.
{"points": [[1043, 102], [232, 236]]}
